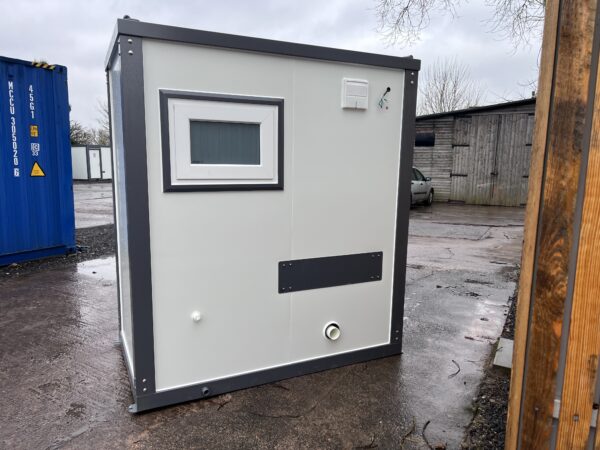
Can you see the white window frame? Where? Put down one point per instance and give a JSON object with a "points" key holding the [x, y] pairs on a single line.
{"points": [[181, 109]]}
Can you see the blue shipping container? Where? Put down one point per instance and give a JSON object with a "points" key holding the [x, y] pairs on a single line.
{"points": [[36, 190]]}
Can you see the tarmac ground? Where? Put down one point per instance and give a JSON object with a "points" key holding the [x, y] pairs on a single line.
{"points": [[64, 384], [93, 204]]}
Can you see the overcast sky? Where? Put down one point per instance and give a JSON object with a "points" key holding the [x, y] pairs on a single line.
{"points": [[77, 33]]}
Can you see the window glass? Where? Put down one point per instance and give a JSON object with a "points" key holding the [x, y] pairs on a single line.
{"points": [[414, 175], [224, 143], [417, 175], [424, 139]]}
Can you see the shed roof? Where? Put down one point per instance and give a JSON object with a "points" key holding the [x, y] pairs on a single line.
{"points": [[477, 109]]}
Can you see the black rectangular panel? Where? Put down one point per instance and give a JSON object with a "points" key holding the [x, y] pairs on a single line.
{"points": [[315, 273]]}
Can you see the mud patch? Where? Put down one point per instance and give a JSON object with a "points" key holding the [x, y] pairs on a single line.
{"points": [[76, 410]]}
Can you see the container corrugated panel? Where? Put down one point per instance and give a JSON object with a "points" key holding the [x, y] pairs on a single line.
{"points": [[36, 190]]}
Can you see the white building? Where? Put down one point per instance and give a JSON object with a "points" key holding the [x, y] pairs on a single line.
{"points": [[91, 162]]}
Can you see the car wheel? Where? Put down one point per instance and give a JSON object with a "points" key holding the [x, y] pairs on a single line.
{"points": [[430, 198]]}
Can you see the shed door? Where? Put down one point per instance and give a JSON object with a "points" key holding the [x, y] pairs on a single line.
{"points": [[95, 165], [511, 161], [490, 160], [527, 159], [474, 153], [106, 163]]}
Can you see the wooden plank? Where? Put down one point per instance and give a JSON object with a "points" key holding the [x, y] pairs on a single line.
{"points": [[584, 335], [530, 128], [525, 174], [462, 131], [531, 220], [483, 143], [436, 161], [563, 144], [520, 160], [511, 160], [460, 165]]}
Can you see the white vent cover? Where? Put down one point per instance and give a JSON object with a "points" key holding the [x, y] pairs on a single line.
{"points": [[355, 93]]}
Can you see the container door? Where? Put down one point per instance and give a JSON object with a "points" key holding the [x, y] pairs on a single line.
{"points": [[95, 164], [106, 163]]}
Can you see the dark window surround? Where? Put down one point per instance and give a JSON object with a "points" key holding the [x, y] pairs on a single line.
{"points": [[165, 95]]}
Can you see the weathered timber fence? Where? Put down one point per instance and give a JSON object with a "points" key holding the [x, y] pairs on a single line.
{"points": [[554, 387]]}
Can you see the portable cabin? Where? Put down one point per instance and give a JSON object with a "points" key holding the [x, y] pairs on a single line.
{"points": [[262, 195], [91, 163]]}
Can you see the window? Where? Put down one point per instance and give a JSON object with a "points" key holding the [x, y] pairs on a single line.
{"points": [[224, 143], [425, 139], [221, 142], [417, 175]]}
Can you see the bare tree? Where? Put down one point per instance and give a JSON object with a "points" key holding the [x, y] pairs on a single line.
{"points": [[517, 20], [103, 130], [446, 86], [403, 20], [81, 135]]}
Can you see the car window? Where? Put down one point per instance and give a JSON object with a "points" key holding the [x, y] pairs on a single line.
{"points": [[414, 175], [419, 176]]}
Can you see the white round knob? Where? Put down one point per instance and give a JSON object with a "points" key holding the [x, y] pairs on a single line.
{"points": [[196, 316], [332, 331]]}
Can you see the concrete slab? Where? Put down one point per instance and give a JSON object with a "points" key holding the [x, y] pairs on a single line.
{"points": [[64, 385], [93, 204], [504, 353]]}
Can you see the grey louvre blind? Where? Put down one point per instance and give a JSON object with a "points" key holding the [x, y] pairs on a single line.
{"points": [[225, 143]]}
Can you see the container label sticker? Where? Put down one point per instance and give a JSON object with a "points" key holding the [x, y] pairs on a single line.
{"points": [[31, 101], [33, 129], [36, 170], [13, 128]]}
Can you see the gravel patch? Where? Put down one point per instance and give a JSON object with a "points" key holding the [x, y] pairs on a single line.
{"points": [[92, 243], [487, 429]]}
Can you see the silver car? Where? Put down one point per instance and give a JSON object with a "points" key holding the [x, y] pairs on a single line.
{"points": [[421, 190]]}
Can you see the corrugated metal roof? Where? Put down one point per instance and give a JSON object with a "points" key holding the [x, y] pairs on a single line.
{"points": [[476, 109]]}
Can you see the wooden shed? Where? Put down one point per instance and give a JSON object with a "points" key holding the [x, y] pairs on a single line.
{"points": [[478, 155]]}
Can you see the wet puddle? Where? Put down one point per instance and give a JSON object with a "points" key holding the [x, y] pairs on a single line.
{"points": [[103, 268]]}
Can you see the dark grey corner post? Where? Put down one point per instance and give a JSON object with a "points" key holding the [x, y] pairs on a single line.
{"points": [[138, 226], [407, 142]]}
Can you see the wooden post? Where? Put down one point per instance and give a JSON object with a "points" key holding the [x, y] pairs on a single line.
{"points": [[557, 335]]}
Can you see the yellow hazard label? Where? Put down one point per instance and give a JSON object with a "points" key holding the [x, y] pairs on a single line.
{"points": [[33, 130], [43, 65], [36, 170]]}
